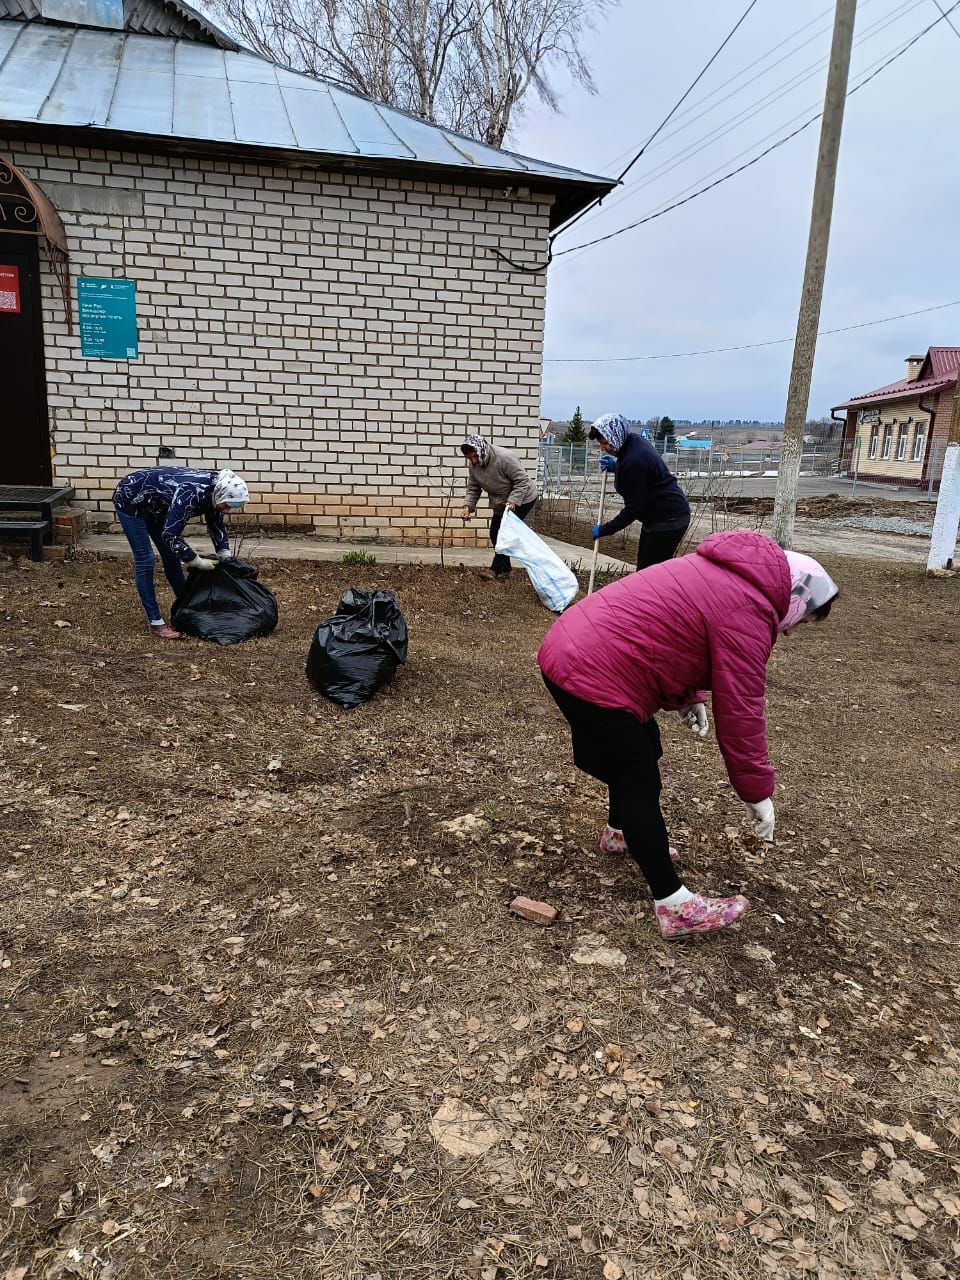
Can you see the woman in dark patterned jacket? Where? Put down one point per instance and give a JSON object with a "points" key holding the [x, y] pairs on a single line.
{"points": [[154, 507]]}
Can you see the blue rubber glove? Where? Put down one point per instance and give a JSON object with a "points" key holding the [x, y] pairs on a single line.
{"points": [[595, 532], [608, 462]]}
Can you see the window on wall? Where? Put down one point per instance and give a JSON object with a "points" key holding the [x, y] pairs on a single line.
{"points": [[887, 440], [874, 436], [902, 444], [918, 442]]}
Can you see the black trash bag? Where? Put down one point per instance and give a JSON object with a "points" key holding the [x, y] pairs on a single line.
{"points": [[357, 651], [226, 606]]}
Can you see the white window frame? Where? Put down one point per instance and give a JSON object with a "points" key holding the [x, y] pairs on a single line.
{"points": [[919, 442], [887, 442], [902, 443], [874, 441]]}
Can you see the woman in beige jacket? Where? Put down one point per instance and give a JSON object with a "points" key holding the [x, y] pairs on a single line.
{"points": [[501, 477]]}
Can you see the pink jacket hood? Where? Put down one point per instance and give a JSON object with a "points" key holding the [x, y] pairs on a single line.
{"points": [[655, 639]]}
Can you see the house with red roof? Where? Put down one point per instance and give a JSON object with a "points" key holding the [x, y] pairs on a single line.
{"points": [[901, 429]]}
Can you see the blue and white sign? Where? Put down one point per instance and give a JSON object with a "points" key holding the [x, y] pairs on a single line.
{"points": [[107, 312], [694, 442]]}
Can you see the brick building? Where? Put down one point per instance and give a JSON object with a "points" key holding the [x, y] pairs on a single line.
{"points": [[307, 286], [903, 427]]}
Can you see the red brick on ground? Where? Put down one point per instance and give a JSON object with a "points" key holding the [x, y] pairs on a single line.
{"points": [[535, 912]]}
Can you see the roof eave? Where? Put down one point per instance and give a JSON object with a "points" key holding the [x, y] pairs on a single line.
{"points": [[869, 401], [570, 194]]}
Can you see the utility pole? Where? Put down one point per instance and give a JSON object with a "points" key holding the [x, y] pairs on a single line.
{"points": [[943, 540], [808, 321]]}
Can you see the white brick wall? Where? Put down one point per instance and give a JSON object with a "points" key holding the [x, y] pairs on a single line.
{"points": [[332, 337]]}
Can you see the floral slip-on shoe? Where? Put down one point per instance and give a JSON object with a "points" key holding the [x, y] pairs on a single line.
{"points": [[612, 841], [700, 915]]}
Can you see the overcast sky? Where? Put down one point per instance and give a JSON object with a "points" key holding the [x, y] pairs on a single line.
{"points": [[727, 268]]}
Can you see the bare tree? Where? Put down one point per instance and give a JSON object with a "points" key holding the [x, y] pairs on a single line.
{"points": [[465, 64]]}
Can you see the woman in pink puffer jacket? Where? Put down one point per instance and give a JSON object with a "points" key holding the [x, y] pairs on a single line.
{"points": [[654, 641]]}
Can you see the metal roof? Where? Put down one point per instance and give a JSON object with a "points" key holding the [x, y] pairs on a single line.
{"points": [[120, 86], [939, 370], [943, 360], [149, 17]]}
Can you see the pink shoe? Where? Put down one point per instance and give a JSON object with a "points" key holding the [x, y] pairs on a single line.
{"points": [[166, 633], [612, 841], [700, 915]]}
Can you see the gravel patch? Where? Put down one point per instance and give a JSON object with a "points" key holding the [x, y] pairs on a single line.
{"points": [[886, 524]]}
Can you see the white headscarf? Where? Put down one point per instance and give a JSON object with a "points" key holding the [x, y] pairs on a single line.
{"points": [[613, 427], [229, 490], [811, 587]]}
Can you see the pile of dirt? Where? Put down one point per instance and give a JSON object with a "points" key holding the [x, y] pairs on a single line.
{"points": [[832, 506], [267, 1011]]}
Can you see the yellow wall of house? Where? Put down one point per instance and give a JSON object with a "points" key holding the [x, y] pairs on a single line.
{"points": [[894, 416]]}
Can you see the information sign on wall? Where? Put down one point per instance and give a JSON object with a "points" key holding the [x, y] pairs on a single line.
{"points": [[9, 290], [107, 311]]}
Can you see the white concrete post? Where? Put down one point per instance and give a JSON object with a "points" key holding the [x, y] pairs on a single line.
{"points": [[946, 522]]}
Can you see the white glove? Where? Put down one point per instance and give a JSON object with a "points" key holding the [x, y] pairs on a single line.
{"points": [[225, 555], [762, 819], [695, 718], [201, 562]]}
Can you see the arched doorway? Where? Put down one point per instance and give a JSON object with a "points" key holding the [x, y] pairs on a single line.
{"points": [[26, 218]]}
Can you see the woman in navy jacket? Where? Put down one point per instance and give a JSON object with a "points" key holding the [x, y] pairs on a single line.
{"points": [[649, 490], [154, 507]]}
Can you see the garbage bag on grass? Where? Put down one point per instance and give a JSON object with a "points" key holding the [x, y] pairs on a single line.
{"points": [[226, 606], [357, 651], [554, 583]]}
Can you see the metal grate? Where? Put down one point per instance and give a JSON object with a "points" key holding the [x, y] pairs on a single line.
{"points": [[29, 495]]}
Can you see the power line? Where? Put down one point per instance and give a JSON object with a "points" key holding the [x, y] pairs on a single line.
{"points": [[745, 346], [719, 132], [740, 169], [949, 23], [756, 62], [868, 32], [666, 119]]}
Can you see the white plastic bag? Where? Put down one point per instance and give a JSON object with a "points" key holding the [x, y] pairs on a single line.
{"points": [[554, 583]]}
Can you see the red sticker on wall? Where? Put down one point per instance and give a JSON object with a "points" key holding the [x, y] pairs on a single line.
{"points": [[9, 290]]}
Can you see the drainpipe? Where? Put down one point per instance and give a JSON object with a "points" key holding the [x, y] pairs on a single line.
{"points": [[931, 409]]}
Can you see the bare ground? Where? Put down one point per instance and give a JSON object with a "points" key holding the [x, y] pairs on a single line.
{"points": [[266, 1015], [816, 532]]}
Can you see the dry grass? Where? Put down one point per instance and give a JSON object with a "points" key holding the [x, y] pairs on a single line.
{"points": [[244, 961]]}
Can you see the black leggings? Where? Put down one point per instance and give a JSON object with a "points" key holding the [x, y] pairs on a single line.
{"points": [[654, 548], [501, 564], [618, 749]]}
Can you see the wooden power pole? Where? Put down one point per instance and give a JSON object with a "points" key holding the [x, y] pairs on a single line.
{"points": [[946, 521], [808, 321]]}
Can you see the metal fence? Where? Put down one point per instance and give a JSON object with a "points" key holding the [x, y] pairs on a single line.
{"points": [[890, 474], [565, 469]]}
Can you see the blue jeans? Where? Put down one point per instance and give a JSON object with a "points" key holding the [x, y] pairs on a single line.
{"points": [[141, 535]]}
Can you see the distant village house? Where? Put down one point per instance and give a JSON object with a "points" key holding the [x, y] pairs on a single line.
{"points": [[898, 433]]}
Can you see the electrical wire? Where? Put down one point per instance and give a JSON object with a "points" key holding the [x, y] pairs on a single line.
{"points": [[867, 33], [667, 118], [767, 151], [744, 346], [748, 113], [949, 23]]}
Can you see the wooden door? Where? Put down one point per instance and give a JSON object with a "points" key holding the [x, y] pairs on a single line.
{"points": [[24, 429]]}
